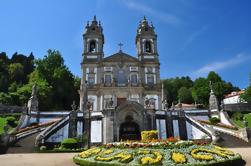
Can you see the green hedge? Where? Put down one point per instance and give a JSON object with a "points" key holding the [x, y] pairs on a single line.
{"points": [[214, 120], [69, 143], [11, 121]]}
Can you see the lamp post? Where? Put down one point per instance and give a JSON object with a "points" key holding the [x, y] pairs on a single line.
{"points": [[89, 107]]}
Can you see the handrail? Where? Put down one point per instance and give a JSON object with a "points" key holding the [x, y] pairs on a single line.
{"points": [[49, 129], [209, 131]]}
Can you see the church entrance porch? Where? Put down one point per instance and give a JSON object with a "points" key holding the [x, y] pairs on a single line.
{"points": [[129, 131]]}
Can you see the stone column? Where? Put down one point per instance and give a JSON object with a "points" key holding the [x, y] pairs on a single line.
{"points": [[182, 125], [73, 122], [169, 124]]}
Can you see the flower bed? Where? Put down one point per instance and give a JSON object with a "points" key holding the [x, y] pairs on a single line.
{"points": [[177, 155]]}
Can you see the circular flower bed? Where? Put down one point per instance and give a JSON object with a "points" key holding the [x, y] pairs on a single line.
{"points": [[191, 154]]}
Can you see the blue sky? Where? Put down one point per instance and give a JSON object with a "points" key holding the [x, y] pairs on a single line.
{"points": [[194, 36]]}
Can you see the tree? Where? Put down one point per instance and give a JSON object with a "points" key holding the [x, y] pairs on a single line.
{"points": [[53, 70], [16, 73], [185, 95], [172, 86], [201, 90], [247, 95], [4, 80], [250, 79], [220, 87]]}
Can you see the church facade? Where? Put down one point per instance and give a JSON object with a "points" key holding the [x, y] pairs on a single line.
{"points": [[123, 90]]}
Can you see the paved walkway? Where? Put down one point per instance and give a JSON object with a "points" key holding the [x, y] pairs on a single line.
{"points": [[245, 153], [37, 159], [65, 159]]}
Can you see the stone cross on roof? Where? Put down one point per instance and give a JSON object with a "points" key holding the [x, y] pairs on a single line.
{"points": [[120, 46]]}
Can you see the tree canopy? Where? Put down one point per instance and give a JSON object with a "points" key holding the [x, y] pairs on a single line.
{"points": [[58, 87], [198, 91]]}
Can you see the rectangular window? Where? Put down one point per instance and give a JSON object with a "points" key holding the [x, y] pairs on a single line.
{"points": [[108, 80], [91, 79], [134, 80], [150, 79]]}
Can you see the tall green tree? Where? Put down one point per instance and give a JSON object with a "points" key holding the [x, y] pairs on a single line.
{"points": [[172, 86], [246, 96], [185, 95], [16, 72], [201, 90], [53, 70], [4, 75], [220, 87]]}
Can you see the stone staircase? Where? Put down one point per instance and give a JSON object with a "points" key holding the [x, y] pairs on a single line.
{"points": [[227, 140], [24, 145]]}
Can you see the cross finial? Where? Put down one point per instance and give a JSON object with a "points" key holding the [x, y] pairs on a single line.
{"points": [[120, 46]]}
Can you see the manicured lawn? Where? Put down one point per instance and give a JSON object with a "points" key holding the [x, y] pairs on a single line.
{"points": [[2, 124]]}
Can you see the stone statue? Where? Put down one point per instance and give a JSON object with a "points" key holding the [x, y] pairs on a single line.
{"points": [[165, 104], [111, 103], [74, 106], [34, 90]]}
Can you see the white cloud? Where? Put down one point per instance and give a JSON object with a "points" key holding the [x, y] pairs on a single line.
{"points": [[165, 17], [217, 66]]}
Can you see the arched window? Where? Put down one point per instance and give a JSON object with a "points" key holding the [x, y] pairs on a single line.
{"points": [[92, 46], [148, 47]]}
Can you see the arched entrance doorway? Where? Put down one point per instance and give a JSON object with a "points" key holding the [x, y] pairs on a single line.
{"points": [[129, 131]]}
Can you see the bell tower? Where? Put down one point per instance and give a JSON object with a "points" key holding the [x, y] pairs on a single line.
{"points": [[146, 41], [93, 41], [93, 53]]}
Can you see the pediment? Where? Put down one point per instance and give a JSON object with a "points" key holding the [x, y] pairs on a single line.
{"points": [[120, 57]]}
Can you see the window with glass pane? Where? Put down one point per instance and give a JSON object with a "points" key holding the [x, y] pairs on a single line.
{"points": [[108, 80], [150, 79], [121, 78], [134, 80], [91, 79]]}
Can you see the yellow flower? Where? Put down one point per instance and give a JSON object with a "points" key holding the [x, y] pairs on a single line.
{"points": [[89, 152], [149, 160], [223, 150], [179, 158], [201, 156]]}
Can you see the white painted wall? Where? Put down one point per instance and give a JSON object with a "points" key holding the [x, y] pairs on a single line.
{"points": [[232, 100], [161, 127], [176, 132], [96, 131], [60, 135]]}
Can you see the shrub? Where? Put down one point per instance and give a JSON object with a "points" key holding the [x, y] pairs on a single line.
{"points": [[42, 148], [214, 120], [237, 116], [149, 135], [11, 121], [82, 139], [69, 143]]}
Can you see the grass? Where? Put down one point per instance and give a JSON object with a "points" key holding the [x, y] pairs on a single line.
{"points": [[2, 124], [247, 117]]}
